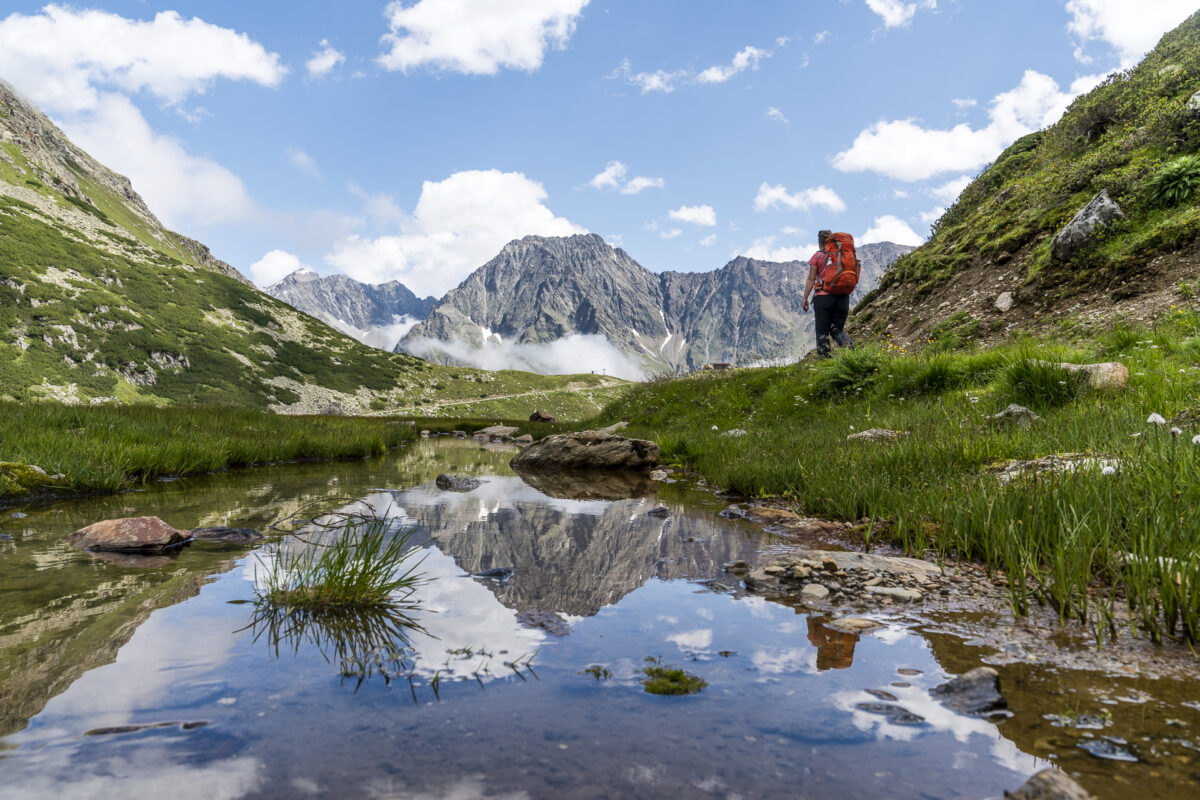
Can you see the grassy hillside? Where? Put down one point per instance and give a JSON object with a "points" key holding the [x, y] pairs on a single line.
{"points": [[1125, 137], [1079, 539]]}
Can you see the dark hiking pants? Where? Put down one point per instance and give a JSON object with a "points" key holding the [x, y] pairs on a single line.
{"points": [[830, 311]]}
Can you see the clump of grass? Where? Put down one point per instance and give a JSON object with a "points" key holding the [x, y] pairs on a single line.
{"points": [[1040, 384], [670, 680], [1176, 182], [850, 371], [365, 565]]}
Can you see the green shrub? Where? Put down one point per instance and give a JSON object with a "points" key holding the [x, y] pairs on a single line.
{"points": [[1176, 182], [849, 371], [670, 680]]}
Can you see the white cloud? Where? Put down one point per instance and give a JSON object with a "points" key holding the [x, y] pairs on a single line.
{"points": [[671, 233], [303, 162], [476, 37], [274, 267], [775, 114], [949, 191], [572, 354], [709, 241], [932, 215], [889, 228], [458, 225], [904, 150], [611, 177], [1131, 28], [964, 102], [896, 13], [81, 67], [666, 81], [703, 216], [746, 58], [772, 196], [658, 81], [900, 194], [765, 249], [640, 183], [614, 174], [324, 60], [820, 37]]}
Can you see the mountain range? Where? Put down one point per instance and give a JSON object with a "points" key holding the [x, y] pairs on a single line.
{"points": [[540, 290]]}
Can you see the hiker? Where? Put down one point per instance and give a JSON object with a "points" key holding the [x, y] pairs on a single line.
{"points": [[833, 271]]}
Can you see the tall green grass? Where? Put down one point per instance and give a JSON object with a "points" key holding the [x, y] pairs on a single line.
{"points": [[1081, 542], [111, 447]]}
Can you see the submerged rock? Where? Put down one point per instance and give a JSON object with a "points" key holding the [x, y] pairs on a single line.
{"points": [[129, 535], [223, 534], [524, 440], [1049, 784], [1079, 231], [895, 714], [457, 482], [659, 511], [588, 450], [975, 693]]}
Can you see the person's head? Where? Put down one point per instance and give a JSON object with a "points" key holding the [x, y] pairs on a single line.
{"points": [[823, 237]]}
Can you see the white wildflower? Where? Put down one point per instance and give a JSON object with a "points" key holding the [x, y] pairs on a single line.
{"points": [[1196, 439], [1176, 431], [1156, 419], [1108, 470], [714, 427]]}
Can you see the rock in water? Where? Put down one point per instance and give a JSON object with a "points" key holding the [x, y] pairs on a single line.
{"points": [[456, 482], [1079, 231], [495, 574], [582, 450], [223, 534], [659, 511], [129, 535], [1049, 784], [975, 693]]}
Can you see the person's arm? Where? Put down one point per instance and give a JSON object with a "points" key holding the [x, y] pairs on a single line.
{"points": [[808, 284]]}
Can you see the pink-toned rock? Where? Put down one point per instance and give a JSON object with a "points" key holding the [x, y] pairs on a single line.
{"points": [[1049, 784], [128, 535]]}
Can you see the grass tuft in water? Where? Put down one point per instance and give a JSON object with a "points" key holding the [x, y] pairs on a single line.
{"points": [[670, 680]]}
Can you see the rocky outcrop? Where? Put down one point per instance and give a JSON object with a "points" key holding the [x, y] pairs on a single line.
{"points": [[817, 577], [587, 450], [129, 535], [1080, 230], [457, 482], [1192, 107], [1049, 784], [538, 416], [539, 289]]}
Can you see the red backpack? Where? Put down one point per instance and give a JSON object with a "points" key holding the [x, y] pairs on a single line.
{"points": [[840, 273]]}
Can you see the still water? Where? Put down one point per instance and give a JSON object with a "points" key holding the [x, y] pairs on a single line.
{"points": [[160, 679]]}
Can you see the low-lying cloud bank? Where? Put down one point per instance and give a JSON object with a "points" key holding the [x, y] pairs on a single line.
{"points": [[576, 353]]}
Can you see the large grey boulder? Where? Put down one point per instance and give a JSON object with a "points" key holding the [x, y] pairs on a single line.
{"points": [[1080, 230], [129, 535], [1192, 108], [1104, 375], [587, 450], [1049, 784]]}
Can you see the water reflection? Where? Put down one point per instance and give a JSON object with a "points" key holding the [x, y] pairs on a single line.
{"points": [[835, 649]]}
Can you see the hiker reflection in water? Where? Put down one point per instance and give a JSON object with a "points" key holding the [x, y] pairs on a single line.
{"points": [[831, 305], [835, 649]]}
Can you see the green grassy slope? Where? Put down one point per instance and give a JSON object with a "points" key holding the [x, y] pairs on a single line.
{"points": [[997, 235]]}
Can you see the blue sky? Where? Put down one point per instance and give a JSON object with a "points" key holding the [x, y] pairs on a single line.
{"points": [[411, 140]]}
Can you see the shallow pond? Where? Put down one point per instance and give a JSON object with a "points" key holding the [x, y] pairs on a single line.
{"points": [[524, 687]]}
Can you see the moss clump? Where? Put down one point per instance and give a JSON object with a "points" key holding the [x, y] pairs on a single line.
{"points": [[22, 480], [670, 680]]}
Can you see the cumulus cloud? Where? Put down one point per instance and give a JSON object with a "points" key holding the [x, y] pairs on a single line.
{"points": [[302, 161], [820, 37], [613, 176], [964, 102], [889, 228], [766, 249], [949, 191], [324, 60], [82, 66], [897, 13], [671, 233], [905, 150], [458, 225], [572, 354], [775, 114], [1132, 29], [666, 81], [476, 37], [746, 58], [704, 216], [274, 267], [773, 196], [709, 241]]}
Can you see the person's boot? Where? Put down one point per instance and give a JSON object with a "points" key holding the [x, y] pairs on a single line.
{"points": [[843, 340]]}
